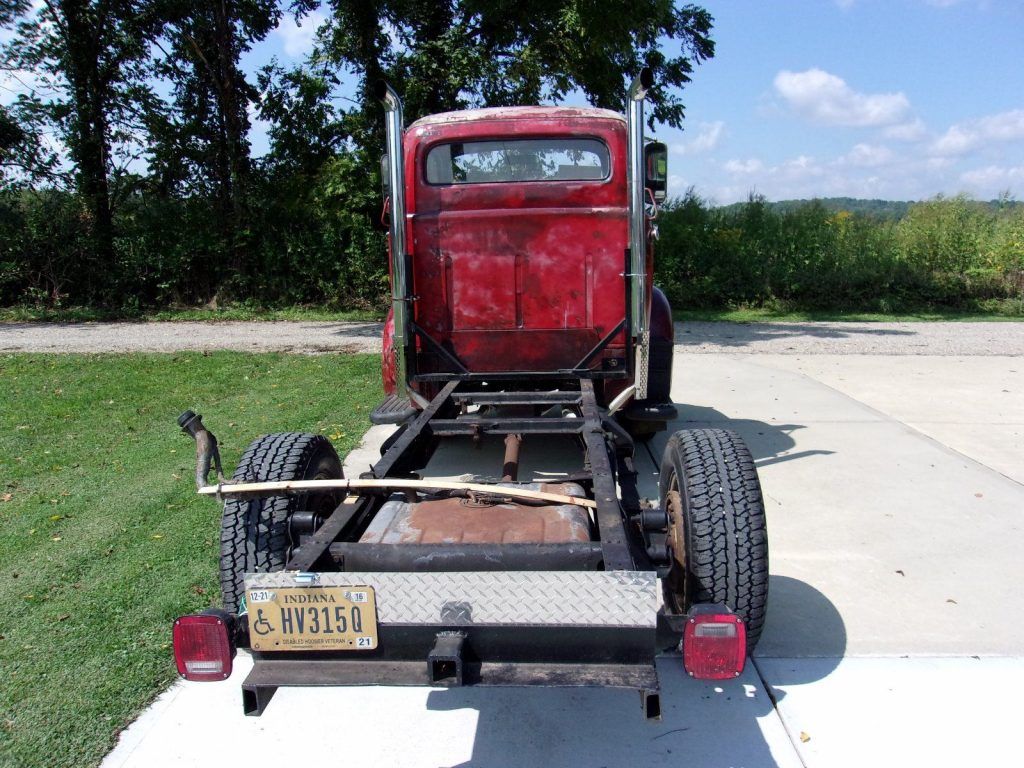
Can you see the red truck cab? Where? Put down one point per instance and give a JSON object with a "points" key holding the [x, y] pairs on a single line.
{"points": [[516, 227]]}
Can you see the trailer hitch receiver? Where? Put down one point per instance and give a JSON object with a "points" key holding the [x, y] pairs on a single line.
{"points": [[444, 662]]}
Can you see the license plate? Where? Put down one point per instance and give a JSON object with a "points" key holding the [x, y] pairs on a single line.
{"points": [[312, 618]]}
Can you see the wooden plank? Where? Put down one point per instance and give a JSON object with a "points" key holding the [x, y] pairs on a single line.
{"points": [[299, 486]]}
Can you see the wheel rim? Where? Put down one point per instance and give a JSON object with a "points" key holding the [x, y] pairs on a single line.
{"points": [[677, 592], [323, 504]]}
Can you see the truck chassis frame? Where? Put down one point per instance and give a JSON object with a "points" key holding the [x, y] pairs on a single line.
{"points": [[462, 653]]}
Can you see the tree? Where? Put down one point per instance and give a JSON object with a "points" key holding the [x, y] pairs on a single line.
{"points": [[92, 57], [11, 134], [208, 124], [451, 54]]}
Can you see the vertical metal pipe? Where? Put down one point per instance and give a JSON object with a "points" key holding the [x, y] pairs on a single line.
{"points": [[394, 127], [510, 469], [637, 228], [637, 225]]}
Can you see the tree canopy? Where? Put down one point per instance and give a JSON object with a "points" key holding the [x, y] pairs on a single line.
{"points": [[133, 130]]}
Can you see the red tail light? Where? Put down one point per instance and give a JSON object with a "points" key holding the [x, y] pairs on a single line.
{"points": [[714, 643], [203, 649]]}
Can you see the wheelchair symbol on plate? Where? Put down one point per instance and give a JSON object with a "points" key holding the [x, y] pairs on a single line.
{"points": [[261, 626]]}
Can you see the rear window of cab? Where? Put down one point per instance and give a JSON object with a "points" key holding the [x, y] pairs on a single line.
{"points": [[495, 161]]}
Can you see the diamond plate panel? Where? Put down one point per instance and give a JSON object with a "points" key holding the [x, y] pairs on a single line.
{"points": [[538, 598], [643, 354]]}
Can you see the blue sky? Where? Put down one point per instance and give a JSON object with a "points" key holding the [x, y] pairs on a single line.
{"points": [[896, 99]]}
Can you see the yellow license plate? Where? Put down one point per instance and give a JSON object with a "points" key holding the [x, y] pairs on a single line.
{"points": [[312, 618]]}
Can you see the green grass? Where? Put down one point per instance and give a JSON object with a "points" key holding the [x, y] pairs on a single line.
{"points": [[29, 314], [103, 541]]}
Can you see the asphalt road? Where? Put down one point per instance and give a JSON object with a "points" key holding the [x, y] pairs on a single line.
{"points": [[895, 632]]}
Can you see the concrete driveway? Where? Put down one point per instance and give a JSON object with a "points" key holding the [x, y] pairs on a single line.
{"points": [[895, 632]]}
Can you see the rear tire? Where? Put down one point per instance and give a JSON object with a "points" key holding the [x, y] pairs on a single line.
{"points": [[255, 535], [711, 493]]}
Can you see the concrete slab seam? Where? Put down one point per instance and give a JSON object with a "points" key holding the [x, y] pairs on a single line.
{"points": [[793, 738]]}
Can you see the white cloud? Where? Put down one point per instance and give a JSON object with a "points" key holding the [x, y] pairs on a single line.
{"points": [[744, 167], [993, 178], [707, 138], [866, 170], [801, 166], [956, 141], [868, 156], [297, 39], [902, 168], [972, 134], [826, 98], [913, 130], [844, 4]]}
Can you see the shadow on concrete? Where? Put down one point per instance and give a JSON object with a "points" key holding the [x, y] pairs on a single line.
{"points": [[801, 623], [768, 443], [55, 328], [704, 723], [724, 334]]}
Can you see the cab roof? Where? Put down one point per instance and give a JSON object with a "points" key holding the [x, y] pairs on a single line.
{"points": [[518, 113]]}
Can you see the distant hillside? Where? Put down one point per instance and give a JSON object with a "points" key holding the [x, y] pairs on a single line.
{"points": [[884, 210], [878, 209]]}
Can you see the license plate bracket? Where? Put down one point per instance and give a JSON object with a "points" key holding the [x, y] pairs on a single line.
{"points": [[312, 618]]}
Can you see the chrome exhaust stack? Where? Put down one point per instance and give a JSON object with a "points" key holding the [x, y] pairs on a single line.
{"points": [[394, 127], [637, 228]]}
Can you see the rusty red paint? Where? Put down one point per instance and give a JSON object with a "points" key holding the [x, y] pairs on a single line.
{"points": [[460, 520], [518, 276], [388, 372]]}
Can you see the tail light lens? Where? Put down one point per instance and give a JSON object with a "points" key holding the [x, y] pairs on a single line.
{"points": [[714, 643], [203, 649]]}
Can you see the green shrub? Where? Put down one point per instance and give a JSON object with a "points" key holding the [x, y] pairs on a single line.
{"points": [[948, 253], [315, 239]]}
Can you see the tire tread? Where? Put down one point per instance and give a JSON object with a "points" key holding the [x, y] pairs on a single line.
{"points": [[254, 532], [727, 544]]}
